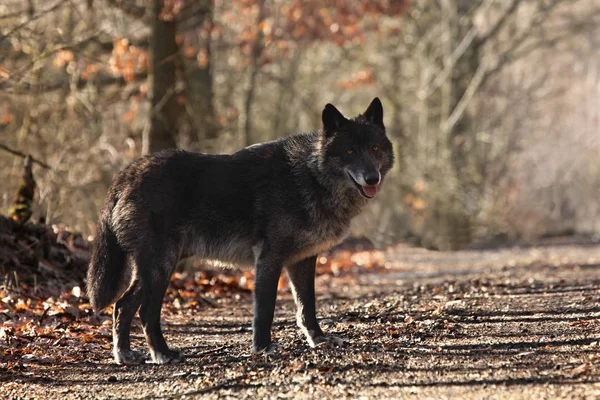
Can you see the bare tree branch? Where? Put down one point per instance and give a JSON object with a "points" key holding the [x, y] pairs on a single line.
{"points": [[470, 39], [500, 22], [23, 155], [33, 18], [23, 88], [461, 106], [487, 69], [129, 8]]}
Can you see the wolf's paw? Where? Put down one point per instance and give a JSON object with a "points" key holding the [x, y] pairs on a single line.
{"points": [[128, 357], [167, 357], [272, 350], [327, 341]]}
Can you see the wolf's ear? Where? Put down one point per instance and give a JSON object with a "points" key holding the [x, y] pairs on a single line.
{"points": [[374, 113], [332, 119]]}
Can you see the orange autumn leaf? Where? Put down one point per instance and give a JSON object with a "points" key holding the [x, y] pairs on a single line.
{"points": [[6, 118], [129, 115], [4, 74], [190, 51], [361, 78]]}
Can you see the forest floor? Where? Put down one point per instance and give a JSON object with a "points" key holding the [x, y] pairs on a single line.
{"points": [[504, 323]]}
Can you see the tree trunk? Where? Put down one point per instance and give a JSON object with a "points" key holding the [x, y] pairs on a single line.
{"points": [[285, 98], [162, 79], [257, 50], [199, 89]]}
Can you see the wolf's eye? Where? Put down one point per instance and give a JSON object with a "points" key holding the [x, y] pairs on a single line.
{"points": [[349, 151], [375, 148]]}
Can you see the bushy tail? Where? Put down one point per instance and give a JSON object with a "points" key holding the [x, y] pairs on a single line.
{"points": [[107, 269]]}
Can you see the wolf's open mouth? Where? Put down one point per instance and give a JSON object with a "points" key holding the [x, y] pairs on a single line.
{"points": [[368, 191]]}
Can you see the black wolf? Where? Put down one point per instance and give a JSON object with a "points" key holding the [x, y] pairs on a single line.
{"points": [[273, 205]]}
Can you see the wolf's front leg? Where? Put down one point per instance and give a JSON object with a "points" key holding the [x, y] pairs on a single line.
{"points": [[302, 279], [268, 271]]}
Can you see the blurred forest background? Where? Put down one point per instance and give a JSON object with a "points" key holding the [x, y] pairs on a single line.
{"points": [[493, 105]]}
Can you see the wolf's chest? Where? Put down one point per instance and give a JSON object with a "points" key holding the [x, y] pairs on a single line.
{"points": [[320, 238]]}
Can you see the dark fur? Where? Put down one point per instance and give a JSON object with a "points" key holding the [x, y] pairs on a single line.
{"points": [[274, 205]]}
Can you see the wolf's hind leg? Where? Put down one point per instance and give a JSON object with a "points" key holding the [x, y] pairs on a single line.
{"points": [[302, 280], [157, 284], [124, 311]]}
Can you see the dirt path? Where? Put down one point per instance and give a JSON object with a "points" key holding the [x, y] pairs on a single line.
{"points": [[480, 324]]}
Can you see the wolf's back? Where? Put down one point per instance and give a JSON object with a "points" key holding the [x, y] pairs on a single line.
{"points": [[106, 272]]}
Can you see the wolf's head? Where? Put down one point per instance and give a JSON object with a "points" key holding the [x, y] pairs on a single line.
{"points": [[357, 149]]}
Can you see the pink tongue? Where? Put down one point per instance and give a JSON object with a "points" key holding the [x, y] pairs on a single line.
{"points": [[370, 191]]}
